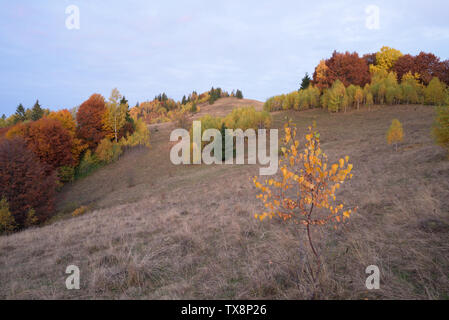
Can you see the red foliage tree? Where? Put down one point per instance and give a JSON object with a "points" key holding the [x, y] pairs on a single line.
{"points": [[349, 68], [90, 120], [444, 72], [427, 65], [49, 141], [403, 65], [24, 182]]}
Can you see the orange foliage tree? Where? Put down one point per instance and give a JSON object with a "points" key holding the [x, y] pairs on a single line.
{"points": [[90, 120], [24, 182], [68, 122], [306, 190], [49, 141]]}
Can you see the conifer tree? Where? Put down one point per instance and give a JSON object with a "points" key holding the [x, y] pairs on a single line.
{"points": [[36, 111], [305, 82]]}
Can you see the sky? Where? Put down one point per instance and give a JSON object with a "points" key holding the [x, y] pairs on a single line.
{"points": [[145, 47]]}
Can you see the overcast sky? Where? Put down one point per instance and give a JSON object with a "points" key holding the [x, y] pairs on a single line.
{"points": [[147, 47]]}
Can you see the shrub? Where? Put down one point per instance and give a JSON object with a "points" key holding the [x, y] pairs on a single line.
{"points": [[80, 211], [88, 164], [7, 223], [245, 118], [140, 137], [25, 182], [107, 151], [181, 119], [66, 174], [31, 218]]}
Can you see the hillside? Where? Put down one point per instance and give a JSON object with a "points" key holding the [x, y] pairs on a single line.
{"points": [[161, 231]]}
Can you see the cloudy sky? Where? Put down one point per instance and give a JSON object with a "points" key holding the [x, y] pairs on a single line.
{"points": [[147, 47]]}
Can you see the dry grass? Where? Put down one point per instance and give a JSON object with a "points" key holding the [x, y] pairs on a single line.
{"points": [[178, 232]]}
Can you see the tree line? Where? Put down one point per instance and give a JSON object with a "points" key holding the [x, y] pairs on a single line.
{"points": [[164, 109], [346, 81]]}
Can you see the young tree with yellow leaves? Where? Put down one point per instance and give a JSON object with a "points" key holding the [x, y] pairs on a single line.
{"points": [[306, 190], [358, 96], [395, 134]]}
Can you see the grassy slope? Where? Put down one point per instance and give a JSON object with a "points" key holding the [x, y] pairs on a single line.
{"points": [[165, 231]]}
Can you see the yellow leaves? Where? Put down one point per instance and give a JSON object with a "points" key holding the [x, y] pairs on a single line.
{"points": [[307, 176], [395, 133], [334, 169], [294, 151], [287, 135], [350, 166]]}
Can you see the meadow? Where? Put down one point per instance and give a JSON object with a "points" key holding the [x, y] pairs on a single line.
{"points": [[159, 231]]}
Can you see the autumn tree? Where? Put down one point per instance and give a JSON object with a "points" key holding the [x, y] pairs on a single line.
{"points": [[395, 134], [67, 121], [386, 58], [115, 115], [305, 192], [48, 139], [90, 118], [441, 127], [349, 68], [358, 96], [427, 65], [369, 100], [405, 64], [320, 76], [24, 182], [411, 88], [435, 93], [336, 96]]}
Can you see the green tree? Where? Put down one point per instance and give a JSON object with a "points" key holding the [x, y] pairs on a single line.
{"points": [[36, 112], [3, 123], [305, 82], [194, 108], [20, 113], [239, 94]]}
